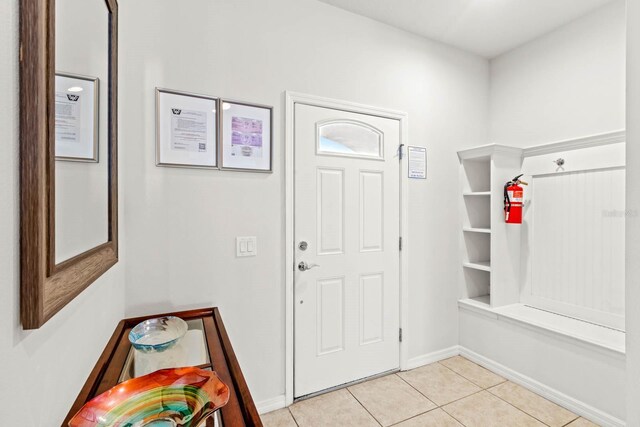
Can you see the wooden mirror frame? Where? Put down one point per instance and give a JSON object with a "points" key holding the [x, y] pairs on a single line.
{"points": [[46, 287]]}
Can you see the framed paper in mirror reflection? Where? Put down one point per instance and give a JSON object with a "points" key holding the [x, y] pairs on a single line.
{"points": [[69, 168], [77, 119]]}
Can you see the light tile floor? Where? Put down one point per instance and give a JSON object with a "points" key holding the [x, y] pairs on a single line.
{"points": [[453, 392]]}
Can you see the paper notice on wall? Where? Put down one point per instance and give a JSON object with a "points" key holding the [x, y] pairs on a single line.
{"points": [[417, 162], [189, 130], [246, 137], [68, 117]]}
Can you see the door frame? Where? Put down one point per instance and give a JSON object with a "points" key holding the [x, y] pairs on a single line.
{"points": [[291, 99]]}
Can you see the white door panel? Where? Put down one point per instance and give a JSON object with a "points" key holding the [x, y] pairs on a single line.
{"points": [[347, 210]]}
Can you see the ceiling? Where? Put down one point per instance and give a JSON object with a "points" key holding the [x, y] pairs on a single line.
{"points": [[485, 27]]}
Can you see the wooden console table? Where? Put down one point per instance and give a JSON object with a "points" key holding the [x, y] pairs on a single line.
{"points": [[116, 359]]}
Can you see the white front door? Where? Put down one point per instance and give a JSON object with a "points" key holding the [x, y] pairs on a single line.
{"points": [[347, 228]]}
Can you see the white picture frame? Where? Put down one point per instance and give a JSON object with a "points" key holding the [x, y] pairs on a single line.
{"points": [[246, 137], [186, 129], [76, 117]]}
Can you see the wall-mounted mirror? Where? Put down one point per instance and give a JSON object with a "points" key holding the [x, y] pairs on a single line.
{"points": [[69, 208]]}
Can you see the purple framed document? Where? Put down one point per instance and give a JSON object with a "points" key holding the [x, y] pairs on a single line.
{"points": [[246, 142], [186, 129]]}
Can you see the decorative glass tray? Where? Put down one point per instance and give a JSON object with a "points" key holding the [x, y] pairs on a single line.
{"points": [[191, 350], [168, 397]]}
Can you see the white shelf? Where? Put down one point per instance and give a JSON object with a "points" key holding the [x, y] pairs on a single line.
{"points": [[477, 230], [483, 301], [477, 193], [478, 265]]}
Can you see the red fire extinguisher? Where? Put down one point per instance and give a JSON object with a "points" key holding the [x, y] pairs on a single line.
{"points": [[513, 200]]}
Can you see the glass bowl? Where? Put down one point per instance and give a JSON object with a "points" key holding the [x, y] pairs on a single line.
{"points": [[159, 334], [182, 397]]}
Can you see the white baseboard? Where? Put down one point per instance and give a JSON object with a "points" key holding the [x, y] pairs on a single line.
{"points": [[436, 356], [272, 404], [576, 406]]}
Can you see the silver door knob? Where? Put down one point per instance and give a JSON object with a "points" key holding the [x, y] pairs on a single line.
{"points": [[303, 266]]}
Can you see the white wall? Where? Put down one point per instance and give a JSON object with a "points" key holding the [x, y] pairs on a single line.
{"points": [[633, 218], [182, 223], [41, 371], [567, 84]]}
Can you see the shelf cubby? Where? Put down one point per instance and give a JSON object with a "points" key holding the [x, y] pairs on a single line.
{"points": [[477, 283], [477, 175], [477, 212]]}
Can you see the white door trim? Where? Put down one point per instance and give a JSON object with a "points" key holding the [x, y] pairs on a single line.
{"points": [[292, 98]]}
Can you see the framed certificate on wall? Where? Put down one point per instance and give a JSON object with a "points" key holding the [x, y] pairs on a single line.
{"points": [[76, 117], [247, 137], [186, 129]]}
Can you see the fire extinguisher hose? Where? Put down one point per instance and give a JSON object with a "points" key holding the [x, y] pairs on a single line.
{"points": [[507, 200]]}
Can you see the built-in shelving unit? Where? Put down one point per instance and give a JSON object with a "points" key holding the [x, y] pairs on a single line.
{"points": [[487, 244]]}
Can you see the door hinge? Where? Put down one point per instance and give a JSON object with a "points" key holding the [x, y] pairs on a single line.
{"points": [[400, 243], [400, 151], [400, 335]]}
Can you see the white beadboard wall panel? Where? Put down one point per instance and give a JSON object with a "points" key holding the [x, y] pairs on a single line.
{"points": [[577, 244]]}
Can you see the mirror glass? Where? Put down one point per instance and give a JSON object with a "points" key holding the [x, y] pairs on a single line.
{"points": [[81, 126]]}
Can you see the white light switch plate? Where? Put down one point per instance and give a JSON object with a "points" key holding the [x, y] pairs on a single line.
{"points": [[246, 246]]}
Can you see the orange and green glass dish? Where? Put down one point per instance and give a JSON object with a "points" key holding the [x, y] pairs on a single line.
{"points": [[169, 397]]}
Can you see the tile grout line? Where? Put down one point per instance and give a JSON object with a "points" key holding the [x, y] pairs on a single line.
{"points": [[469, 379], [531, 415], [454, 417], [415, 416], [445, 404], [439, 406], [577, 418], [363, 407], [453, 401], [503, 382], [293, 416], [459, 399], [421, 393], [487, 389]]}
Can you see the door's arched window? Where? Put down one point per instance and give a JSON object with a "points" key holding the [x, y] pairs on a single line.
{"points": [[349, 138]]}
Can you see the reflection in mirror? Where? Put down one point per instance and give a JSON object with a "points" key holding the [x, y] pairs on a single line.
{"points": [[81, 126]]}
